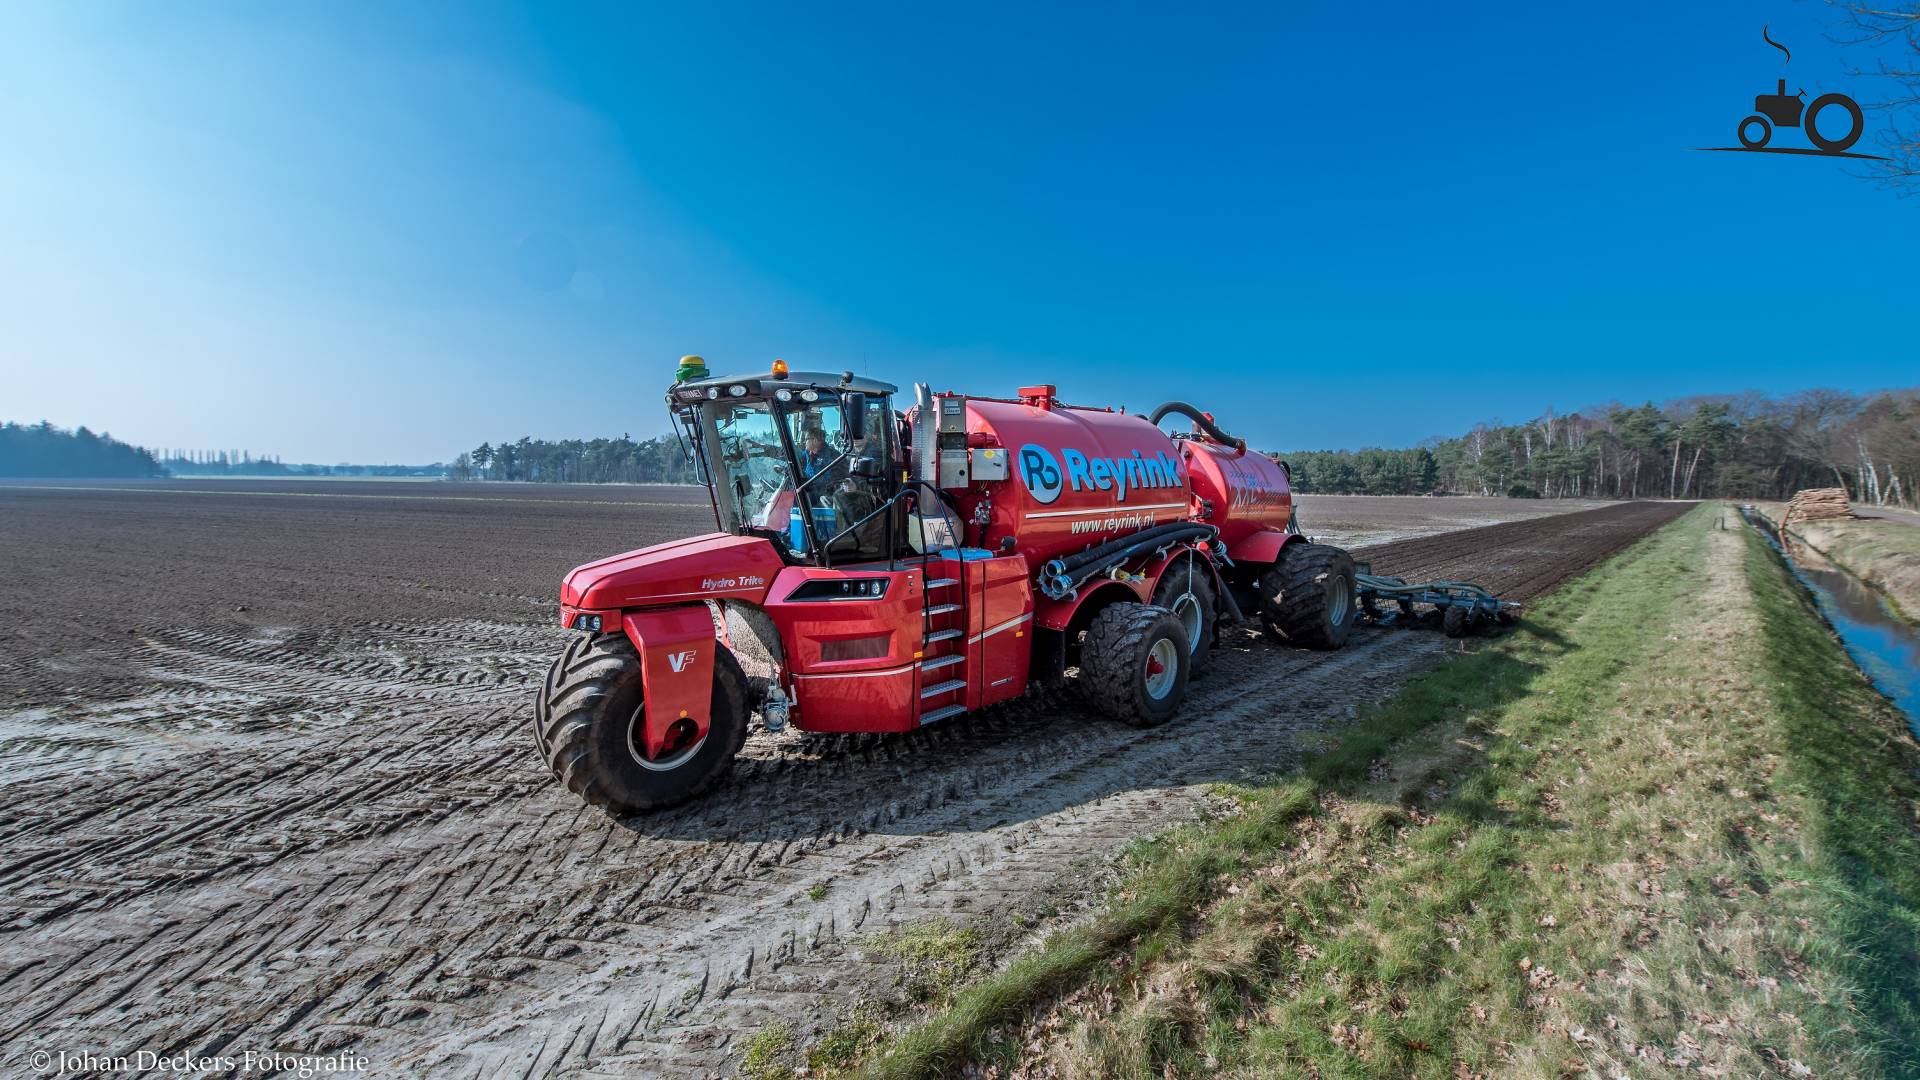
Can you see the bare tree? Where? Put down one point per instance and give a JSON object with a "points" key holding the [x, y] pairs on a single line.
{"points": [[1882, 29]]}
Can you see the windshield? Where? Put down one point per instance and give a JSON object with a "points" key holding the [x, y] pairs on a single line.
{"points": [[758, 472], [761, 486]]}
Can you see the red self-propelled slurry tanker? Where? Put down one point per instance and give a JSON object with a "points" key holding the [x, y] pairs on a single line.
{"points": [[879, 571]]}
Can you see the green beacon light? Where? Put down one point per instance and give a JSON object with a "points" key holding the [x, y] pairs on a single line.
{"points": [[691, 367]]}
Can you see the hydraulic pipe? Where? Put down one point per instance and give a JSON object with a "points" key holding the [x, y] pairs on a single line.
{"points": [[1069, 563], [1060, 581], [1088, 570]]}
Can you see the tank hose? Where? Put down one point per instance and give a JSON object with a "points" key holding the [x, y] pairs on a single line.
{"points": [[1200, 421], [1062, 581]]}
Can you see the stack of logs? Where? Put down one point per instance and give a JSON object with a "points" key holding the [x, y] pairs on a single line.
{"points": [[1816, 504]]}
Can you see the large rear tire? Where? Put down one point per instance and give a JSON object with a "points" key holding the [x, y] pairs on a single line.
{"points": [[1186, 589], [1134, 664], [1845, 142], [1307, 598], [586, 719]]}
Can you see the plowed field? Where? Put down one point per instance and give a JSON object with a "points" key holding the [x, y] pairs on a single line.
{"points": [[269, 787]]}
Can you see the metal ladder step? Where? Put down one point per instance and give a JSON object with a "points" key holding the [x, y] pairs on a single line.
{"points": [[941, 713], [942, 582], [944, 635], [942, 609], [939, 662], [947, 687]]}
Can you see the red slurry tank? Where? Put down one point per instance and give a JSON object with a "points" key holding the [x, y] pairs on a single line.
{"points": [[1078, 476], [1246, 493], [1075, 477]]}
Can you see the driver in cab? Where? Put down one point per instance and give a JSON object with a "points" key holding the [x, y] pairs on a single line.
{"points": [[813, 453]]}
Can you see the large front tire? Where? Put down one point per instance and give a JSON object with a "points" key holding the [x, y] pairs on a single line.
{"points": [[585, 727], [1134, 664], [1307, 598]]}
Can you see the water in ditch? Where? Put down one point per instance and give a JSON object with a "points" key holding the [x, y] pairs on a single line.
{"points": [[1885, 646]]}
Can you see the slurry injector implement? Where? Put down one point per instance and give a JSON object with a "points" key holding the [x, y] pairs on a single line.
{"points": [[1458, 607], [879, 571]]}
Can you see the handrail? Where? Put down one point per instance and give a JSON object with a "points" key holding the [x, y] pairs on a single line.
{"points": [[897, 496], [907, 489]]}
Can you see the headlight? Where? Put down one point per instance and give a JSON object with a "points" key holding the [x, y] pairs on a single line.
{"points": [[809, 395], [713, 391], [737, 390], [840, 589], [783, 395]]}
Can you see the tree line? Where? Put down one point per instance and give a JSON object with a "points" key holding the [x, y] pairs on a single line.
{"points": [[624, 460], [44, 450], [243, 463], [1736, 446]]}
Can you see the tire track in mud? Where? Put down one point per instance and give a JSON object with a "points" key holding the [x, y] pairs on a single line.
{"points": [[756, 947], [382, 864]]}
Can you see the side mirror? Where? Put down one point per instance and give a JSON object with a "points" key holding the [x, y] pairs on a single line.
{"points": [[853, 408]]}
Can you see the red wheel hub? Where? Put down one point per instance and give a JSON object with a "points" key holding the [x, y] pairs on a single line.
{"points": [[679, 737]]}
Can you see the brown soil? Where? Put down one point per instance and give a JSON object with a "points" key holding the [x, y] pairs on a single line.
{"points": [[1370, 519], [1520, 560], [316, 822]]}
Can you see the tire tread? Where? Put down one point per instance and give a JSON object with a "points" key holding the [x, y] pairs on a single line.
{"points": [[566, 713]]}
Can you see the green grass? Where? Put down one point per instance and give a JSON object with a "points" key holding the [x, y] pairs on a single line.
{"points": [[1663, 818], [934, 957], [1863, 836], [764, 1054]]}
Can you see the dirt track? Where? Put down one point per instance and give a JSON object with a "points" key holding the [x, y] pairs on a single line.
{"points": [[333, 834]]}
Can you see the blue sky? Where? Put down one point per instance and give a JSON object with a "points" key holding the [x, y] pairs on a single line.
{"points": [[388, 232]]}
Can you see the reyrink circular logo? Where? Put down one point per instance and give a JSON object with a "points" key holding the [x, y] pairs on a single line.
{"points": [[1040, 471]]}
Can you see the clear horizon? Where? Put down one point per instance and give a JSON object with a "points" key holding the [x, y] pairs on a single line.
{"points": [[386, 235]]}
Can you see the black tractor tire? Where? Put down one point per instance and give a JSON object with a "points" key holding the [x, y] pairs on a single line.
{"points": [[1184, 576], [1124, 641], [1307, 597], [1845, 142], [583, 722], [1457, 622]]}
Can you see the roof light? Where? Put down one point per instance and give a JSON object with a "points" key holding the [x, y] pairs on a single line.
{"points": [[783, 394], [737, 390], [713, 391], [779, 369], [809, 395]]}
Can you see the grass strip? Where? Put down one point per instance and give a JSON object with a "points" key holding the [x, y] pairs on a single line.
{"points": [[1663, 826], [1858, 780]]}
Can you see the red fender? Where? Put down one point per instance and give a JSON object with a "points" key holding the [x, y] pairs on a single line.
{"points": [[1263, 546], [676, 647], [1058, 614]]}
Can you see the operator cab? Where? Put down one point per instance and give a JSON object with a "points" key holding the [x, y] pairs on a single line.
{"points": [[806, 459]]}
